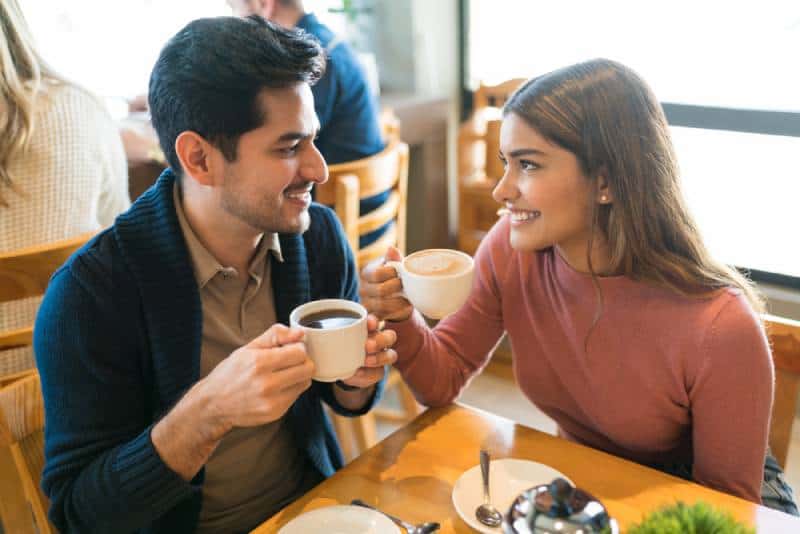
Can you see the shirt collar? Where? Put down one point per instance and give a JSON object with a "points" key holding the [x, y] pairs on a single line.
{"points": [[205, 265]]}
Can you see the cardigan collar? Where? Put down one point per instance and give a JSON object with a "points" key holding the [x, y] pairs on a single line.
{"points": [[153, 247]]}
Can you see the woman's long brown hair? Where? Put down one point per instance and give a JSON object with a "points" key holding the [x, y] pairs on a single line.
{"points": [[608, 117]]}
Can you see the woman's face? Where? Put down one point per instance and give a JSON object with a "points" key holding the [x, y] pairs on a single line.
{"points": [[547, 193]]}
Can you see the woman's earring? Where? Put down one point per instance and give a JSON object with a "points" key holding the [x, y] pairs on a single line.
{"points": [[604, 198]]}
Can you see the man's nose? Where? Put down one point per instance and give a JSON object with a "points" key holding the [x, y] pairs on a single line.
{"points": [[314, 169]]}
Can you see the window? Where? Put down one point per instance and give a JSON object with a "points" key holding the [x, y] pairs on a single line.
{"points": [[726, 77], [111, 47]]}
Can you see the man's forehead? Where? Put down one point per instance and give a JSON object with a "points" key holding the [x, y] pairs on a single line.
{"points": [[290, 107]]}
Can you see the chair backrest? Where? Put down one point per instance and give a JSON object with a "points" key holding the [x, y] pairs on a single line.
{"points": [[352, 181], [784, 338], [22, 432], [25, 273], [495, 95]]}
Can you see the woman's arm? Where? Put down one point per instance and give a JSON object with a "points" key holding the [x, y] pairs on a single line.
{"points": [[731, 398], [437, 363]]}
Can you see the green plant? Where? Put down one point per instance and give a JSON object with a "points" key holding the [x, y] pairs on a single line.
{"points": [[681, 518]]}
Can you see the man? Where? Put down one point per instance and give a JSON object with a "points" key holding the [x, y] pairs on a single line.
{"points": [[175, 402], [347, 110]]}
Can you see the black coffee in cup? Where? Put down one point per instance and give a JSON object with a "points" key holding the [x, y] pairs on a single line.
{"points": [[333, 318]]}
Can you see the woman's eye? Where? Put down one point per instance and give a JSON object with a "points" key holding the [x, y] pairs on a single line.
{"points": [[527, 165]]}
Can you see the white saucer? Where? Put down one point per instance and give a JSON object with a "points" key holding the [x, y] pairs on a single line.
{"points": [[508, 478], [340, 520]]}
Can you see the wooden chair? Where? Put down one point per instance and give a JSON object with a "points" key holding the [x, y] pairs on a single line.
{"points": [[25, 273], [784, 338], [352, 181], [348, 184], [22, 434], [479, 168]]}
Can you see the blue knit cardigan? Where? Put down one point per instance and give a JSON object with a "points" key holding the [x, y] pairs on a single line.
{"points": [[117, 343]]}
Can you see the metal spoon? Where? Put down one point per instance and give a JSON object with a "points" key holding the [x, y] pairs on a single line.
{"points": [[422, 528], [486, 513]]}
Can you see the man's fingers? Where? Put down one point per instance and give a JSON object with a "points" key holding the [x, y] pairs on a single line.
{"points": [[379, 359], [278, 335], [283, 357], [381, 341], [291, 378]]}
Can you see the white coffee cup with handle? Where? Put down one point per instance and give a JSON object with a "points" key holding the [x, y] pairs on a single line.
{"points": [[335, 336], [436, 281]]}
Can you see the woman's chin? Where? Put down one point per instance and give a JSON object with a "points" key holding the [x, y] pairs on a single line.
{"points": [[527, 243]]}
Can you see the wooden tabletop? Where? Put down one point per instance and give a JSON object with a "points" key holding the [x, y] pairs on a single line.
{"points": [[411, 474]]}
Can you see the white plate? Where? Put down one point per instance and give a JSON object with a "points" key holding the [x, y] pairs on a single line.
{"points": [[508, 478], [340, 520]]}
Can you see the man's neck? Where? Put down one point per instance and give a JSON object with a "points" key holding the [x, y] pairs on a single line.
{"points": [[230, 240], [288, 17]]}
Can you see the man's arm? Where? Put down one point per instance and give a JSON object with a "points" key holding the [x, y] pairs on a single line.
{"points": [[101, 471], [255, 385]]}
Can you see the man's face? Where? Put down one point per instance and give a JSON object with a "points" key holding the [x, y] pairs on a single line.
{"points": [[269, 184]]}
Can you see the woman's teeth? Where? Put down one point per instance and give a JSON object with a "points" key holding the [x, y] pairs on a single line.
{"points": [[520, 216]]}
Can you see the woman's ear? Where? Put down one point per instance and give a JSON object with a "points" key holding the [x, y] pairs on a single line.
{"points": [[196, 156], [604, 195]]}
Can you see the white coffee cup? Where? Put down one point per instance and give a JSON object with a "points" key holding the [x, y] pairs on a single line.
{"points": [[436, 281], [337, 352]]}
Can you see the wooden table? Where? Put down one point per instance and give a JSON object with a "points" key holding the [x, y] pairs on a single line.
{"points": [[411, 474]]}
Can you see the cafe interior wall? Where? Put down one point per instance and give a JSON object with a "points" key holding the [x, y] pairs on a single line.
{"points": [[416, 46]]}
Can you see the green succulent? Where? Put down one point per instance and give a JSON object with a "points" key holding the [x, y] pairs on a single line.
{"points": [[680, 518]]}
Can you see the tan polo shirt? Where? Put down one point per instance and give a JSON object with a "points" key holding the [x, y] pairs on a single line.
{"points": [[254, 471]]}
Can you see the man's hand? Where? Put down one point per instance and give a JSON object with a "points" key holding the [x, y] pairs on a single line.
{"points": [[381, 289], [255, 385], [258, 383], [379, 354]]}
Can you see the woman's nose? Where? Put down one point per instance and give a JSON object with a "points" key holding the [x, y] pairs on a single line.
{"points": [[505, 189]]}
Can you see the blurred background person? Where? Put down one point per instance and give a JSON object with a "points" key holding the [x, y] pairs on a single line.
{"points": [[347, 109], [62, 166]]}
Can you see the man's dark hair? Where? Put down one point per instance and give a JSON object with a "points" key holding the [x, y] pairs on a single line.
{"points": [[208, 77]]}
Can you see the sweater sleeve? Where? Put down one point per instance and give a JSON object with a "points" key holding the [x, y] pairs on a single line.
{"points": [[102, 472], [437, 364], [731, 398]]}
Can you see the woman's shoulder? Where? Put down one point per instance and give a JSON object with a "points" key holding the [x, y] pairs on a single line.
{"points": [[66, 100]]}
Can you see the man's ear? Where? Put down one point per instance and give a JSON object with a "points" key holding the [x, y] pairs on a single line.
{"points": [[197, 157]]}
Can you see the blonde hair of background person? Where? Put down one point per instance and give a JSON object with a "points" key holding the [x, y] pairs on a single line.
{"points": [[23, 74], [62, 166]]}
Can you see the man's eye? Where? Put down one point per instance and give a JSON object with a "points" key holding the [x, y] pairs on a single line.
{"points": [[289, 151]]}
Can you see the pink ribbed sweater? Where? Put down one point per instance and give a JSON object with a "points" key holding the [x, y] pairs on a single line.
{"points": [[661, 378]]}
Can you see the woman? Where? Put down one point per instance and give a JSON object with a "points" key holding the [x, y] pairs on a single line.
{"points": [[624, 330], [62, 167]]}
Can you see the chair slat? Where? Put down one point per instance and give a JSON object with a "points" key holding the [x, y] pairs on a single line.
{"points": [[378, 248], [21, 409], [26, 272], [12, 339], [380, 216]]}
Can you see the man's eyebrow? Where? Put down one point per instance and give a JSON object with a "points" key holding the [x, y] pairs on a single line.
{"points": [[297, 136]]}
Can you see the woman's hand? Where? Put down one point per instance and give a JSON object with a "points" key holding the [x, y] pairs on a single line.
{"points": [[381, 289]]}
